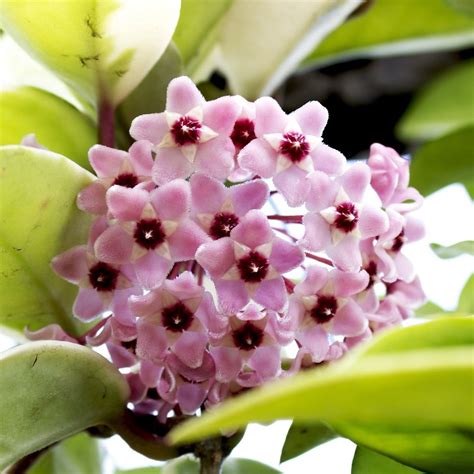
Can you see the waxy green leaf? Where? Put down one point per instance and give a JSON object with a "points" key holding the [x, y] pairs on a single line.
{"points": [[79, 454], [258, 44], [444, 105], [367, 461], [38, 220], [391, 384], [50, 390], [444, 161], [461, 248], [100, 47], [395, 27], [466, 298], [302, 438], [429, 309], [56, 124]]}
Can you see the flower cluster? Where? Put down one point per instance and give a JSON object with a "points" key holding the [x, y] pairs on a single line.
{"points": [[202, 287]]}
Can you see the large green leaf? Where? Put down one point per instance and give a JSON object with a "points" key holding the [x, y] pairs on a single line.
{"points": [[150, 95], [79, 454], [50, 390], [302, 438], [444, 161], [56, 123], [445, 104], [429, 309], [455, 250], [196, 23], [466, 299], [367, 461], [101, 47], [38, 220], [393, 27], [385, 389], [258, 44]]}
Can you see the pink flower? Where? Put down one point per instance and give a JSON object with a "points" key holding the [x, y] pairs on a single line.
{"points": [[249, 264], [247, 353], [390, 174], [218, 209], [152, 230], [322, 306], [338, 219], [168, 321], [115, 167], [191, 135], [102, 286], [388, 247], [242, 134], [289, 147]]}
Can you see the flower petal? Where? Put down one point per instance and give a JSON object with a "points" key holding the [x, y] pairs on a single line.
{"points": [[247, 196], [312, 118], [126, 204], [208, 194], [151, 127], [183, 96], [88, 305], [285, 256], [271, 294], [349, 320], [270, 118], [170, 164], [253, 230], [259, 158]]}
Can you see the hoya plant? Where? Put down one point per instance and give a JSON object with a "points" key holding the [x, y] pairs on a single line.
{"points": [[184, 253]]}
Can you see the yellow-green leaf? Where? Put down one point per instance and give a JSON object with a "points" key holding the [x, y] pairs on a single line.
{"points": [[386, 387], [100, 47], [50, 390], [394, 27], [38, 220], [57, 124]]}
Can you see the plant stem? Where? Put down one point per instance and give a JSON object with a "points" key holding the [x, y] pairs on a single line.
{"points": [[211, 455], [106, 123]]}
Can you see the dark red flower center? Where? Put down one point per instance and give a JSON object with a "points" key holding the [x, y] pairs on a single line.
{"points": [[294, 146], [149, 233], [398, 242], [127, 180], [371, 269], [177, 318], [247, 337], [130, 345], [186, 130], [325, 309], [222, 224], [253, 267], [243, 133], [103, 277], [346, 217]]}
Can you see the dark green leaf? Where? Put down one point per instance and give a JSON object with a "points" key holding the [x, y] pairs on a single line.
{"points": [[444, 105], [57, 124], [150, 95], [466, 299], [393, 27], [38, 220], [367, 461], [302, 438], [461, 248], [444, 161], [77, 455], [50, 390]]}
